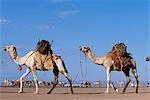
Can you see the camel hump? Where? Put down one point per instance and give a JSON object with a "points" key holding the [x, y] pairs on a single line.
{"points": [[44, 55], [43, 62], [120, 49], [43, 47]]}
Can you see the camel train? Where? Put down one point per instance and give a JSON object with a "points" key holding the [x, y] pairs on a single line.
{"points": [[43, 59]]}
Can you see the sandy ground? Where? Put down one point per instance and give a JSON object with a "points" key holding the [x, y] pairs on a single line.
{"points": [[10, 93]]}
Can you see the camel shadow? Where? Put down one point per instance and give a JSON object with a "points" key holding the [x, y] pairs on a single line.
{"points": [[120, 93], [78, 93], [81, 93], [141, 92]]}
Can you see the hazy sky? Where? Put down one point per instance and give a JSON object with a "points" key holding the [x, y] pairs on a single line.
{"points": [[71, 23]]}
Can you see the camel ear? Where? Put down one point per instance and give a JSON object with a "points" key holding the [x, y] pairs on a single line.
{"points": [[15, 48], [88, 48]]}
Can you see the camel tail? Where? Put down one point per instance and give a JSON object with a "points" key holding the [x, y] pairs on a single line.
{"points": [[134, 64], [60, 63]]}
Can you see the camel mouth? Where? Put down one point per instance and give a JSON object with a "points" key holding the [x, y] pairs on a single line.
{"points": [[147, 59], [80, 48], [4, 49]]}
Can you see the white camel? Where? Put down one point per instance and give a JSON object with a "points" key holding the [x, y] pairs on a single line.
{"points": [[108, 63], [29, 61]]}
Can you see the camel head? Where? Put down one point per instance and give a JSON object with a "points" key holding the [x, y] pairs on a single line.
{"points": [[11, 50], [147, 58], [84, 49]]}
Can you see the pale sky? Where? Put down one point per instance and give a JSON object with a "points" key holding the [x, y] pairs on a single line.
{"points": [[71, 23]]}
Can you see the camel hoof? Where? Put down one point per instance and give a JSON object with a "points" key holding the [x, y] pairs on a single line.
{"points": [[123, 92], [36, 93], [48, 92], [117, 90], [20, 91], [106, 92], [71, 93]]}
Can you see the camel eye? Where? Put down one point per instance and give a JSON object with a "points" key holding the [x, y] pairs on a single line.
{"points": [[87, 48]]}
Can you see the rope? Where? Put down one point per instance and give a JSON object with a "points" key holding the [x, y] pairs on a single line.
{"points": [[29, 56], [76, 77], [81, 70], [81, 66]]}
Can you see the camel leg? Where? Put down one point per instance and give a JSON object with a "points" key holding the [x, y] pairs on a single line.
{"points": [[21, 80], [54, 84], [126, 72], [134, 71], [70, 81], [35, 81], [56, 72], [113, 86], [108, 80]]}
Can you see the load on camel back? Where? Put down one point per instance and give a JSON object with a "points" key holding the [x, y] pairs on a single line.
{"points": [[120, 56], [44, 59]]}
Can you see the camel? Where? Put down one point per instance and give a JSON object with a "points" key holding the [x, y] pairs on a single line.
{"points": [[29, 61], [108, 63], [147, 58]]}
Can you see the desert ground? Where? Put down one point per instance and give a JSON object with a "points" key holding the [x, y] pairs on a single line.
{"points": [[10, 93]]}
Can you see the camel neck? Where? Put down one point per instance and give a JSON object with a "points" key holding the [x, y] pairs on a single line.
{"points": [[13, 55], [16, 58], [95, 59]]}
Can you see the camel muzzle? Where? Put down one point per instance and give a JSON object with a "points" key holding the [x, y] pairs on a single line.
{"points": [[4, 49], [147, 59], [80, 48]]}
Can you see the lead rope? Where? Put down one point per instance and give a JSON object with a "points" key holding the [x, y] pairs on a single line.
{"points": [[81, 69], [81, 66], [30, 55], [19, 66], [77, 75]]}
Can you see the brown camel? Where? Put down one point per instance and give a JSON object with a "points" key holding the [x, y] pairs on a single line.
{"points": [[107, 61]]}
